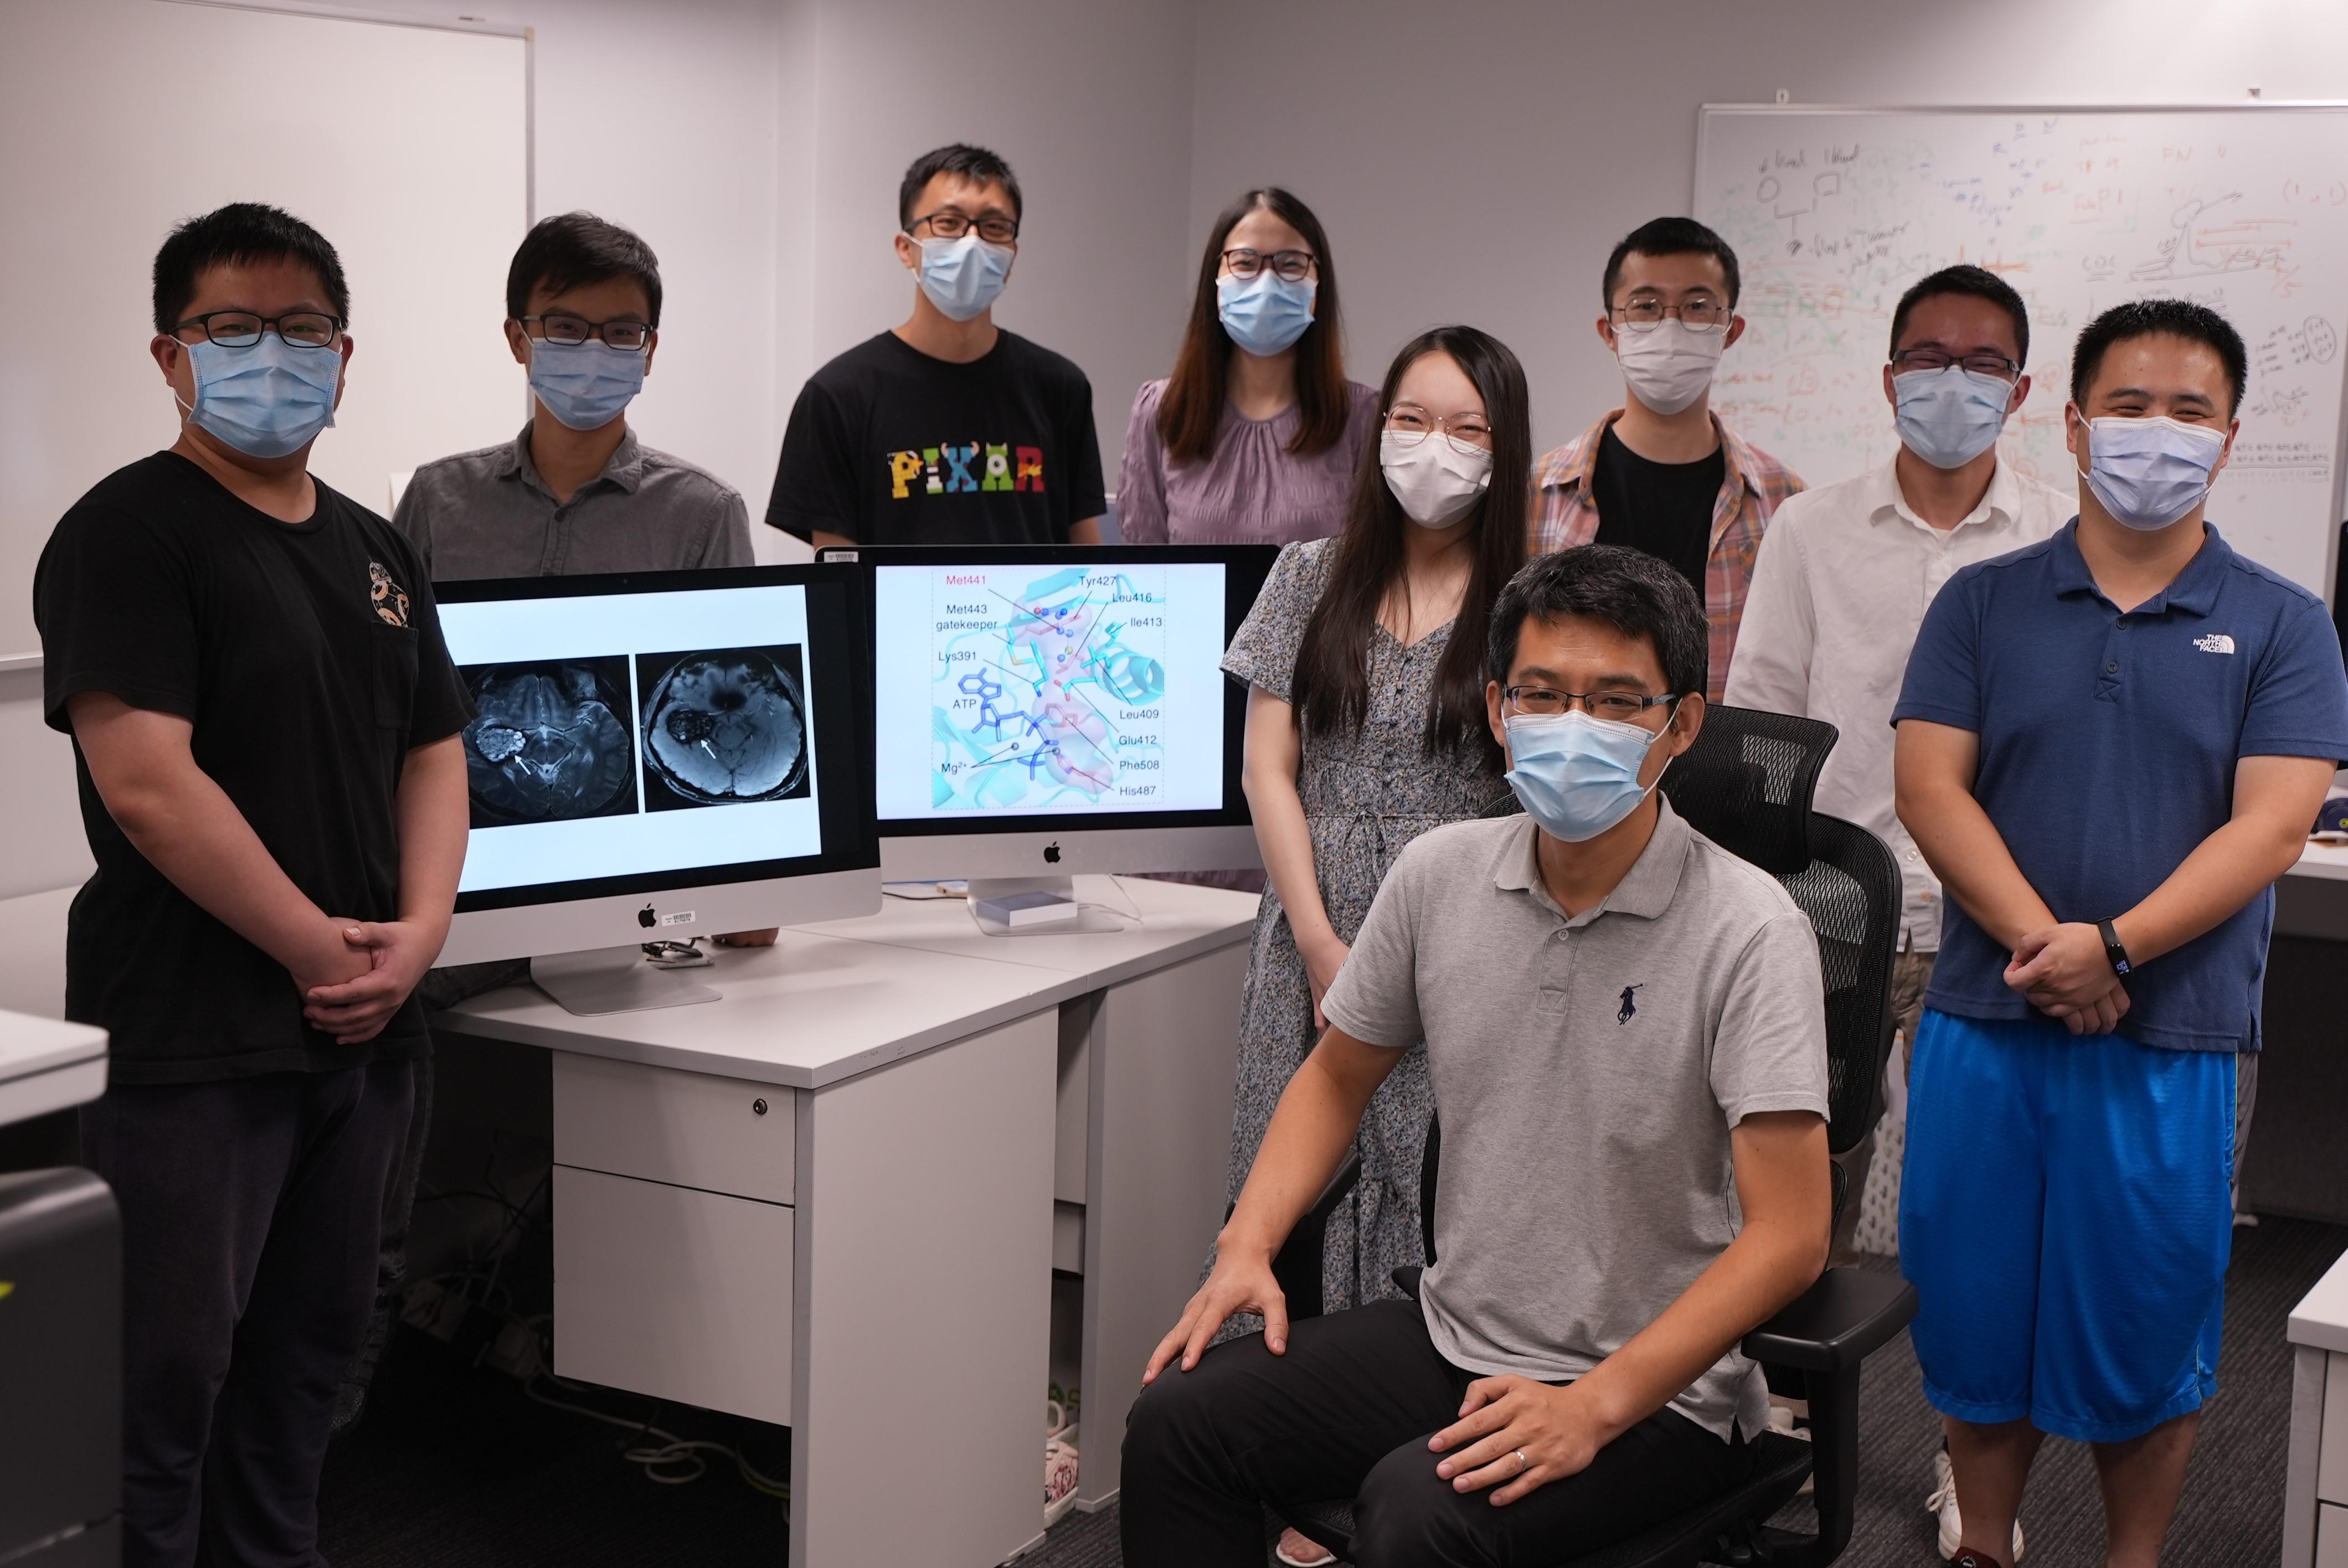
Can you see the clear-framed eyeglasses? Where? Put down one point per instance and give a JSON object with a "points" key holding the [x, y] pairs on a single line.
{"points": [[1699, 313], [1410, 425]]}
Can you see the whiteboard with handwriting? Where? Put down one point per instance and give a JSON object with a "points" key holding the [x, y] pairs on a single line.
{"points": [[1833, 212]]}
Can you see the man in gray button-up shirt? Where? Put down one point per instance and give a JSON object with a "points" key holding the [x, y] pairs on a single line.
{"points": [[489, 513], [576, 491]]}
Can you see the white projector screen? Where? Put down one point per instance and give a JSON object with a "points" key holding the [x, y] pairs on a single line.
{"points": [[408, 146]]}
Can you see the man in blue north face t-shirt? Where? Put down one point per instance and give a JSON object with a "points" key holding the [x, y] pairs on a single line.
{"points": [[2110, 745]]}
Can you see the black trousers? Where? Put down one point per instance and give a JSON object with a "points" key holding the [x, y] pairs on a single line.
{"points": [[1346, 1412], [249, 1214]]}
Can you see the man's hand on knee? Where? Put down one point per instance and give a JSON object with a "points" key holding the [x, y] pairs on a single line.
{"points": [[1237, 1285], [1519, 1435]]}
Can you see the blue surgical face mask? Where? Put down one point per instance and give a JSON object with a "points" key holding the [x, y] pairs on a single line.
{"points": [[964, 277], [2148, 473], [586, 385], [1267, 314], [1951, 416], [269, 400], [1576, 776]]}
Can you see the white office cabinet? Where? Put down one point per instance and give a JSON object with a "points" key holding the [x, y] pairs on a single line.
{"points": [[2331, 1537], [678, 1293], [926, 1188], [2331, 1461], [2315, 1487], [690, 1129]]}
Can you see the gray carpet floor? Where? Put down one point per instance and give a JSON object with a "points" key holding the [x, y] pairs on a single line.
{"points": [[453, 1468]]}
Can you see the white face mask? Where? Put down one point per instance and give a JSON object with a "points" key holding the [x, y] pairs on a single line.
{"points": [[2149, 473], [1436, 482], [1668, 365]]}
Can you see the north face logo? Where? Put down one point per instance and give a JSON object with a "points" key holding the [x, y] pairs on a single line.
{"points": [[2215, 642]]}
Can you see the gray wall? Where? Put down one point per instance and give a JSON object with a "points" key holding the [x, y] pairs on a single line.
{"points": [[1476, 161]]}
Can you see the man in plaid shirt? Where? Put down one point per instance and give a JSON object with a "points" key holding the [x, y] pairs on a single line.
{"points": [[1662, 474]]}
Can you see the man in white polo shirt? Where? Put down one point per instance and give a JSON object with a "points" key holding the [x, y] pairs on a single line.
{"points": [[1626, 1030], [1844, 574]]}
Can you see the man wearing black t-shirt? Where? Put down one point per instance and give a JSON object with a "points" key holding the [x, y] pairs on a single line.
{"points": [[264, 720], [948, 430]]}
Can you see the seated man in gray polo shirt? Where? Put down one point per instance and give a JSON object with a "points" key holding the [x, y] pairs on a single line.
{"points": [[1626, 1031], [575, 491]]}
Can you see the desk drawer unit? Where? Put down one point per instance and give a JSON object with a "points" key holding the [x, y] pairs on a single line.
{"points": [[689, 1129], [672, 1292]]}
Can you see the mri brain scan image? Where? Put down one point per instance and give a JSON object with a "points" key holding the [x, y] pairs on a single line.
{"points": [[549, 743], [723, 727]]}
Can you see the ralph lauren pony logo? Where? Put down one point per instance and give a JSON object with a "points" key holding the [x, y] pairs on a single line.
{"points": [[1629, 1003]]}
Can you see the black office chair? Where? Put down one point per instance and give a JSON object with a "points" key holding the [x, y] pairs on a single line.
{"points": [[1746, 784]]}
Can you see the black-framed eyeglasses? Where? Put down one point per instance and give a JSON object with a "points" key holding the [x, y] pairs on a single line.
{"points": [[1703, 314], [242, 329], [627, 336], [1410, 425], [1293, 266], [1995, 365], [1622, 707], [949, 224]]}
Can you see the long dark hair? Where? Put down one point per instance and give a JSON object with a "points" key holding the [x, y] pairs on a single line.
{"points": [[1192, 411], [1331, 687]]}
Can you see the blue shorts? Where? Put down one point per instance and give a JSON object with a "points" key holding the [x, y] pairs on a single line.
{"points": [[2065, 1215]]}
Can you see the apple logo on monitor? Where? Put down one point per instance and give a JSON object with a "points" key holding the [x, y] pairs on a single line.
{"points": [[1052, 853], [646, 918]]}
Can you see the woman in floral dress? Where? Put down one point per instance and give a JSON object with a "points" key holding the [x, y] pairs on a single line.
{"points": [[1365, 656]]}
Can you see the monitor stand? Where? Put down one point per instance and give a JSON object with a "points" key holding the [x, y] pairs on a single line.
{"points": [[1089, 918], [614, 980]]}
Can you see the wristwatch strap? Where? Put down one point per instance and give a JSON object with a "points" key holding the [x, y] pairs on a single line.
{"points": [[2112, 949]]}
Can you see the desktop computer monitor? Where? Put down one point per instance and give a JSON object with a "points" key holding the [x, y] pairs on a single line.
{"points": [[660, 755], [1040, 711]]}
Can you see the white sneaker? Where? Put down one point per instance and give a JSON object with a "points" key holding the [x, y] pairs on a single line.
{"points": [[1943, 1502]]}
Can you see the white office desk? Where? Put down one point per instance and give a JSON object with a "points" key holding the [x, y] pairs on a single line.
{"points": [[45, 1066], [2328, 861], [2315, 1518], [1144, 1117], [827, 1200]]}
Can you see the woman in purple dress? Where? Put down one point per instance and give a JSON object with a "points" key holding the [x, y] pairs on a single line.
{"points": [[1255, 437]]}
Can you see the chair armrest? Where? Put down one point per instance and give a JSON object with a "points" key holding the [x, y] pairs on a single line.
{"points": [[1837, 1323]]}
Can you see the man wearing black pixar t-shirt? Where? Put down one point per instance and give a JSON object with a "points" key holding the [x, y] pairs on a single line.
{"points": [[264, 720], [947, 430]]}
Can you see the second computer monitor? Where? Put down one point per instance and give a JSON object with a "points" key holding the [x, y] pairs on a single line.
{"points": [[1042, 710]]}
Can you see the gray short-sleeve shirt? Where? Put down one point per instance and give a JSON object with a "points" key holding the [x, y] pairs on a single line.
{"points": [[488, 514], [1587, 1072]]}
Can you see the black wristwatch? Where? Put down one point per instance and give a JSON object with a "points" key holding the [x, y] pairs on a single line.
{"points": [[2112, 949]]}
